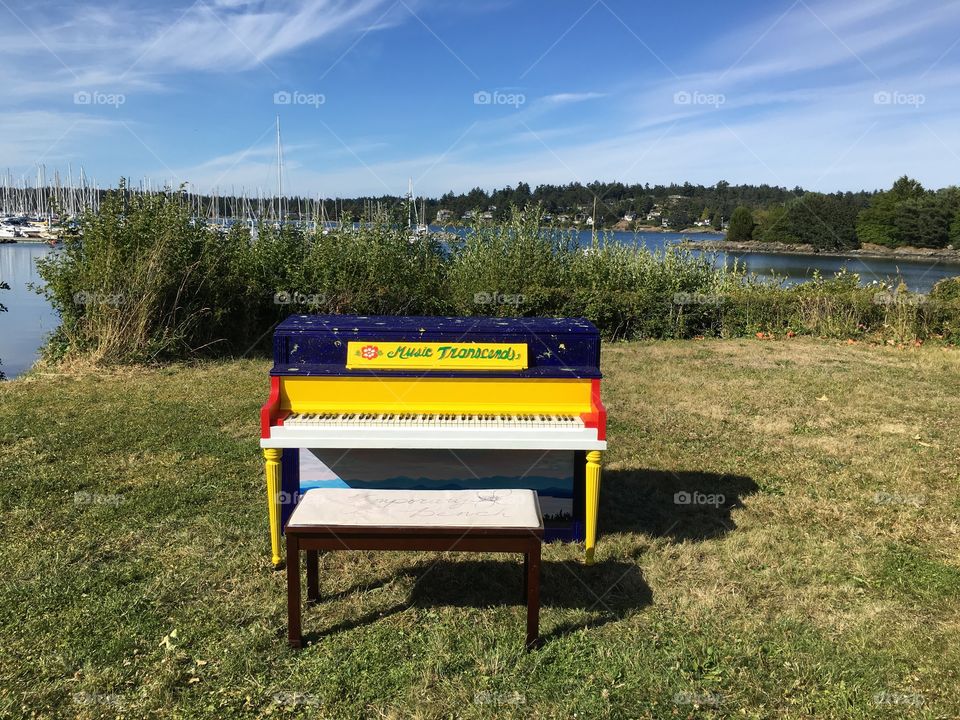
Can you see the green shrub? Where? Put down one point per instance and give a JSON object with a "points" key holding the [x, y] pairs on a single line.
{"points": [[945, 309], [135, 285]]}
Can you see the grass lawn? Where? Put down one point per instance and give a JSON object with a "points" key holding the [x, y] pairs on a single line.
{"points": [[824, 582]]}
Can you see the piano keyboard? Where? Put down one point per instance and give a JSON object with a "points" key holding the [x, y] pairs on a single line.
{"points": [[434, 420], [531, 431]]}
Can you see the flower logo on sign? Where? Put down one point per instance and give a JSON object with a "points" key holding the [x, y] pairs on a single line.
{"points": [[369, 352]]}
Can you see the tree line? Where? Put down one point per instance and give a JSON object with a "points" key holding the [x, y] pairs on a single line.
{"points": [[906, 214], [679, 205]]}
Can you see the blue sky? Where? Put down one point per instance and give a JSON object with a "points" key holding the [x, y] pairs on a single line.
{"points": [[827, 95]]}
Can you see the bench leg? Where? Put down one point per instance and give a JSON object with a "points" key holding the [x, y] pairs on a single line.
{"points": [[313, 577], [294, 636], [532, 582]]}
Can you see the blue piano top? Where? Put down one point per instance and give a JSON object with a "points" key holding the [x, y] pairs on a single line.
{"points": [[307, 345]]}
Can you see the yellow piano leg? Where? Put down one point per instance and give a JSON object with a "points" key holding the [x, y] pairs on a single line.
{"points": [[593, 500], [272, 456]]}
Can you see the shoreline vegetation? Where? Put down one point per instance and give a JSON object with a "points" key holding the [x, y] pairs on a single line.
{"points": [[141, 281]]}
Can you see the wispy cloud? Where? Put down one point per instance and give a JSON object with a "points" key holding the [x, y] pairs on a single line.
{"points": [[126, 46], [238, 35]]}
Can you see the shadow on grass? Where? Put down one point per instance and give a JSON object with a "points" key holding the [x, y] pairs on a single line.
{"points": [[606, 591], [682, 506], [676, 505]]}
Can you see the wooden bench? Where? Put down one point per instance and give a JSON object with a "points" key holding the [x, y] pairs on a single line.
{"points": [[444, 520]]}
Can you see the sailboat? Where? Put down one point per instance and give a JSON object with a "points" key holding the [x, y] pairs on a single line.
{"points": [[416, 223], [422, 227]]}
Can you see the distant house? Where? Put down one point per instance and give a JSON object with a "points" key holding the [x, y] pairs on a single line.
{"points": [[469, 215], [487, 215], [630, 216], [444, 215]]}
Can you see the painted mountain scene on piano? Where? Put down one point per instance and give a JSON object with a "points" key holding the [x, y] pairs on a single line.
{"points": [[549, 473]]}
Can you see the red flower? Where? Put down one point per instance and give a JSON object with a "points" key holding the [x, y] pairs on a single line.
{"points": [[369, 352]]}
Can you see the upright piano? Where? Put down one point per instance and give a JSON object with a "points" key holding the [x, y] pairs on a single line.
{"points": [[404, 383]]}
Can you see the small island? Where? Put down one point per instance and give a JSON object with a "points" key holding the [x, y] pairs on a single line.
{"points": [[907, 222], [867, 250]]}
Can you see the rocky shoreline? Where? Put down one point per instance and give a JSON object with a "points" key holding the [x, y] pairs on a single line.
{"points": [[867, 251], [627, 226]]}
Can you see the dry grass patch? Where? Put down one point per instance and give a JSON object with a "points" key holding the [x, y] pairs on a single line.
{"points": [[827, 573]]}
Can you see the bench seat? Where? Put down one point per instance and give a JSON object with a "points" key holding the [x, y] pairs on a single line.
{"points": [[439, 520]]}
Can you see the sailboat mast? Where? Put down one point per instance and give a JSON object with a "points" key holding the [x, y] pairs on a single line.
{"points": [[279, 174], [411, 204]]}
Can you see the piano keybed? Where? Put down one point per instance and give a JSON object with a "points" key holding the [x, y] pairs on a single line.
{"points": [[427, 421]]}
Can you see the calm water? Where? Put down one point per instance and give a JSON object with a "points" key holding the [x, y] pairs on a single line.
{"points": [[30, 319], [919, 275]]}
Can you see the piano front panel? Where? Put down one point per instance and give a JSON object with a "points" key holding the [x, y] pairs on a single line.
{"points": [[435, 395]]}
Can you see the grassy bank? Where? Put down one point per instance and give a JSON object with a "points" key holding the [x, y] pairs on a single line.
{"points": [[825, 584]]}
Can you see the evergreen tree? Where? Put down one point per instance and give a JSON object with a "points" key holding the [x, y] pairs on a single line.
{"points": [[877, 224], [741, 225], [827, 222]]}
